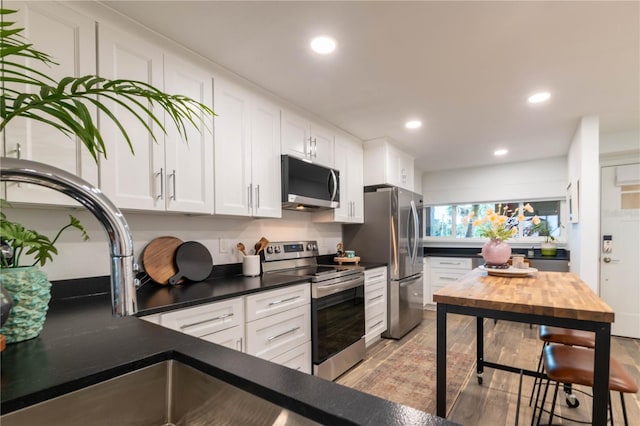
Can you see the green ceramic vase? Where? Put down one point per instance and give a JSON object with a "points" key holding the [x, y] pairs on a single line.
{"points": [[30, 291]]}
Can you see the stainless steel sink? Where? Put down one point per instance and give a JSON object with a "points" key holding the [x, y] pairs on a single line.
{"points": [[167, 393]]}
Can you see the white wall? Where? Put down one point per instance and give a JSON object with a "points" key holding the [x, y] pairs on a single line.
{"points": [[584, 169], [620, 142], [529, 180], [78, 259]]}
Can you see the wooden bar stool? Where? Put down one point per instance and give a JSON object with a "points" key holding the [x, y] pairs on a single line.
{"points": [[563, 336], [572, 364]]}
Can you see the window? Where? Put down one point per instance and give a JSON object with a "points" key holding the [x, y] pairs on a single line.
{"points": [[449, 220]]}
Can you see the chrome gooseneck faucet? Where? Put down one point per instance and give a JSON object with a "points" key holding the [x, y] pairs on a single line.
{"points": [[123, 288]]}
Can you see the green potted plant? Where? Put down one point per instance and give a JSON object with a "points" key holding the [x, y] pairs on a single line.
{"points": [[548, 247], [26, 283], [66, 105]]}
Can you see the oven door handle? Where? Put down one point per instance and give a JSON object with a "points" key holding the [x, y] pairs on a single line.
{"points": [[325, 290]]}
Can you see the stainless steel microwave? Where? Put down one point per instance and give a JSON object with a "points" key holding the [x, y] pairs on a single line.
{"points": [[308, 186]]}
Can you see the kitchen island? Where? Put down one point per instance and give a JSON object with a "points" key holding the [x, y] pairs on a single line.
{"points": [[559, 299], [82, 344]]}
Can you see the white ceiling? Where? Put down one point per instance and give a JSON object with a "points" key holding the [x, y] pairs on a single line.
{"points": [[464, 68]]}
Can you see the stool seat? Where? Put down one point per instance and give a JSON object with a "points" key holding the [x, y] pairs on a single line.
{"points": [[570, 364], [567, 336]]}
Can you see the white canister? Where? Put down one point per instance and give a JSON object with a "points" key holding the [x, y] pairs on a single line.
{"points": [[251, 266]]}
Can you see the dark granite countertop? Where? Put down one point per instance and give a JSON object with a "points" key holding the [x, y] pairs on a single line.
{"points": [[82, 344], [562, 254]]}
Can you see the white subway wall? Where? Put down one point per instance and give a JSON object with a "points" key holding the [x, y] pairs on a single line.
{"points": [[529, 180], [78, 259]]}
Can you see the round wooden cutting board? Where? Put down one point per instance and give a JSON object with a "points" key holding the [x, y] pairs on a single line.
{"points": [[158, 258]]}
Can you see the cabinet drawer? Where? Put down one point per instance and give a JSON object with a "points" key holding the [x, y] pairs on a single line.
{"points": [[205, 319], [267, 303], [375, 275], [451, 263], [276, 334], [442, 277], [298, 358], [232, 338], [375, 294], [375, 326]]}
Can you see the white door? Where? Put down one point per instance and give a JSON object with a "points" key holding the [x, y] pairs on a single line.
{"points": [[295, 135], [321, 145], [189, 163], [619, 266]]}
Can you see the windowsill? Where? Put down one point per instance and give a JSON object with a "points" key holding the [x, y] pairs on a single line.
{"points": [[479, 242]]}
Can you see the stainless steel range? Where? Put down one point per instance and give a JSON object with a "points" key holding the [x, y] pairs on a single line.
{"points": [[337, 304]]}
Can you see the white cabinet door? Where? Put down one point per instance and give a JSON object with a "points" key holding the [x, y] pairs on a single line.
{"points": [[247, 153], [189, 164], [303, 139], [298, 358], [265, 159], [69, 38], [295, 135], [386, 164], [232, 338], [232, 149], [321, 145], [263, 304], [131, 181], [348, 156], [203, 320]]}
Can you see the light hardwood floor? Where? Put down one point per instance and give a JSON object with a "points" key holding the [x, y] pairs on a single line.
{"points": [[494, 402]]}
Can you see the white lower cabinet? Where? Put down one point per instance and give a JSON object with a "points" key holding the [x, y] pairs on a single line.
{"points": [[375, 304], [274, 325], [444, 271], [219, 322], [278, 326]]}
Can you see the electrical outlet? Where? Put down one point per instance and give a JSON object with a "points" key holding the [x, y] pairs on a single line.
{"points": [[223, 246]]}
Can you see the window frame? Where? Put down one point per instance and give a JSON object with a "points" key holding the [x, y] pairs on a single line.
{"points": [[520, 241]]}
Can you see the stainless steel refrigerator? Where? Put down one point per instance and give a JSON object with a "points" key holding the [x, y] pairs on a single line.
{"points": [[391, 233]]}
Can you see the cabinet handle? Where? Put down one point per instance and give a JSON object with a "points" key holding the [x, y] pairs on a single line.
{"points": [[310, 150], [289, 299], [173, 178], [221, 317], [18, 151], [376, 276], [315, 148], [239, 341], [447, 279], [283, 333], [249, 199], [450, 263], [161, 175], [375, 325], [376, 298], [258, 196]]}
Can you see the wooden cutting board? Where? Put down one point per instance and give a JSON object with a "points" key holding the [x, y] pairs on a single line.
{"points": [[158, 258]]}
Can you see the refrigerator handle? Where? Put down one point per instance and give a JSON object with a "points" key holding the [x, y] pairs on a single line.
{"points": [[409, 214], [416, 231]]}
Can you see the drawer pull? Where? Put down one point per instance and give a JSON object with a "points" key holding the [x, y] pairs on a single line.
{"points": [[182, 327], [375, 325], [288, 299], [451, 263], [282, 334], [376, 276], [376, 298], [447, 279]]}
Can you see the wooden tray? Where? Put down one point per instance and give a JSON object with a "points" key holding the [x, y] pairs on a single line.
{"points": [[342, 260], [510, 272]]}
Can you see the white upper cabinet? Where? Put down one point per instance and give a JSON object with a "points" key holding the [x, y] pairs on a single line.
{"points": [[247, 153], [303, 139], [169, 173], [69, 38], [348, 156], [386, 164], [189, 164]]}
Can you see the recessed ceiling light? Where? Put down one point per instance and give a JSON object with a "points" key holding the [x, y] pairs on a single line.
{"points": [[413, 124], [323, 45], [499, 152], [539, 97]]}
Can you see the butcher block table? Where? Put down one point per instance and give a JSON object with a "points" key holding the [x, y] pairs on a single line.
{"points": [[559, 299]]}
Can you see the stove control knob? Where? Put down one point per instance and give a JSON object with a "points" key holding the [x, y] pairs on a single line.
{"points": [[315, 246], [277, 249], [309, 246], [269, 249]]}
